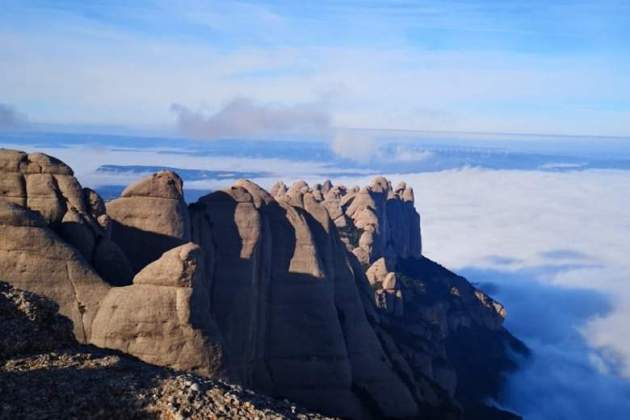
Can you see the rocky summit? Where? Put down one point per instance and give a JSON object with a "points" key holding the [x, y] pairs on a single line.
{"points": [[317, 294]]}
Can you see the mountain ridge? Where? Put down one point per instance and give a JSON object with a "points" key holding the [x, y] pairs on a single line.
{"points": [[319, 294]]}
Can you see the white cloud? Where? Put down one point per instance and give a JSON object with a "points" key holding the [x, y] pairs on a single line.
{"points": [[400, 86], [555, 248], [243, 118], [10, 117], [355, 145]]}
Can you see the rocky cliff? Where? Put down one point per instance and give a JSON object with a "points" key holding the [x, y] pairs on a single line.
{"points": [[46, 374], [318, 294]]}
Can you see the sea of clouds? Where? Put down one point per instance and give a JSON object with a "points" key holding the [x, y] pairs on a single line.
{"points": [[553, 247]]}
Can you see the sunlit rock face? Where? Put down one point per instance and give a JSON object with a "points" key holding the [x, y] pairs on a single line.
{"points": [[163, 318], [374, 221], [47, 186], [33, 257], [151, 211], [318, 294], [54, 240]]}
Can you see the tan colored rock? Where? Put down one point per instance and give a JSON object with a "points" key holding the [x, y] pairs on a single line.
{"points": [[13, 188], [34, 258], [280, 282], [46, 185], [278, 189], [179, 267], [164, 317], [40, 163], [150, 218], [163, 184], [11, 160], [380, 221], [78, 232], [44, 197]]}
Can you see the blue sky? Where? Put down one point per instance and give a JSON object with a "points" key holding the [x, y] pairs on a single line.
{"points": [[560, 67]]}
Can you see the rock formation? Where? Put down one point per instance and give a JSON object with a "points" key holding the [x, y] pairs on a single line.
{"points": [[373, 221], [47, 255], [317, 294], [163, 317], [33, 257], [286, 302], [423, 313], [47, 186], [45, 374], [150, 218]]}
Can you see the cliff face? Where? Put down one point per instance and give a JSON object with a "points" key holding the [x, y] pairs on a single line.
{"points": [[285, 298], [317, 294], [373, 221], [443, 336], [45, 373]]}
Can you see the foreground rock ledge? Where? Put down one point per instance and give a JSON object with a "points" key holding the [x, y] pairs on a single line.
{"points": [[45, 373]]}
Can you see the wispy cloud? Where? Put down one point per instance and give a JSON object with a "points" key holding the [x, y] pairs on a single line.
{"points": [[10, 117], [243, 118], [478, 66]]}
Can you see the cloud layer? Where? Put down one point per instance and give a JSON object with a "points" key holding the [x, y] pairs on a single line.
{"points": [[553, 248]]}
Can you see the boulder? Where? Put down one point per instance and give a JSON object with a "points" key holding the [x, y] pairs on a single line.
{"points": [[34, 258], [163, 318], [151, 211], [46, 185]]}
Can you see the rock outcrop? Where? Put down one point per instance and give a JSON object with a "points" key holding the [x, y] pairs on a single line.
{"points": [[316, 294], [150, 218], [375, 221], [423, 314], [285, 299], [163, 318], [34, 258], [45, 374], [47, 186]]}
